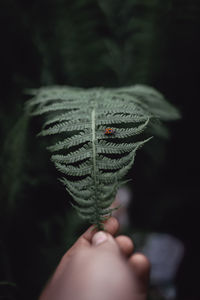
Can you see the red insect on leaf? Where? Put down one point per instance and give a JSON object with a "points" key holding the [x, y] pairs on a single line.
{"points": [[109, 131]]}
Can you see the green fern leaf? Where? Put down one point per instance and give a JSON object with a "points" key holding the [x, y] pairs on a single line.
{"points": [[93, 163]]}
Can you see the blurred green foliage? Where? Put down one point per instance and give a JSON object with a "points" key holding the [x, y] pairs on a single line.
{"points": [[88, 43]]}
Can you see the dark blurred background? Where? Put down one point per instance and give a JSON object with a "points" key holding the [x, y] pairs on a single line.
{"points": [[91, 43]]}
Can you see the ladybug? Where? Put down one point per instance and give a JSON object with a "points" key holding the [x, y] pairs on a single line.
{"points": [[109, 131]]}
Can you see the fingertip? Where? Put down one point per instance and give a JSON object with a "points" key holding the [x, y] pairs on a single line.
{"points": [[111, 225], [125, 244], [105, 243], [140, 265], [99, 237]]}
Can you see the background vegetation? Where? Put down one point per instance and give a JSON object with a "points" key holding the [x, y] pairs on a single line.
{"points": [[95, 43]]}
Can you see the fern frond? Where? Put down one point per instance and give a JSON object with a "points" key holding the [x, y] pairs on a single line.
{"points": [[70, 142], [93, 163], [152, 101], [64, 127]]}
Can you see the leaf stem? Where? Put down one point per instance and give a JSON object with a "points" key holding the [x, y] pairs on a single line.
{"points": [[93, 117]]}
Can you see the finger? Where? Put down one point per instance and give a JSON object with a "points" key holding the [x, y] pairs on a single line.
{"points": [[141, 270], [105, 241], [111, 226], [125, 244]]}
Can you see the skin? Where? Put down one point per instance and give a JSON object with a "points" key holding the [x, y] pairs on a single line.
{"points": [[100, 266]]}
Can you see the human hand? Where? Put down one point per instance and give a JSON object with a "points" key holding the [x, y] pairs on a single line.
{"points": [[100, 267]]}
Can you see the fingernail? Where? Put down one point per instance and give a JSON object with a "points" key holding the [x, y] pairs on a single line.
{"points": [[99, 238]]}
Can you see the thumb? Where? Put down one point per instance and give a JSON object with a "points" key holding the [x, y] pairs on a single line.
{"points": [[104, 240]]}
